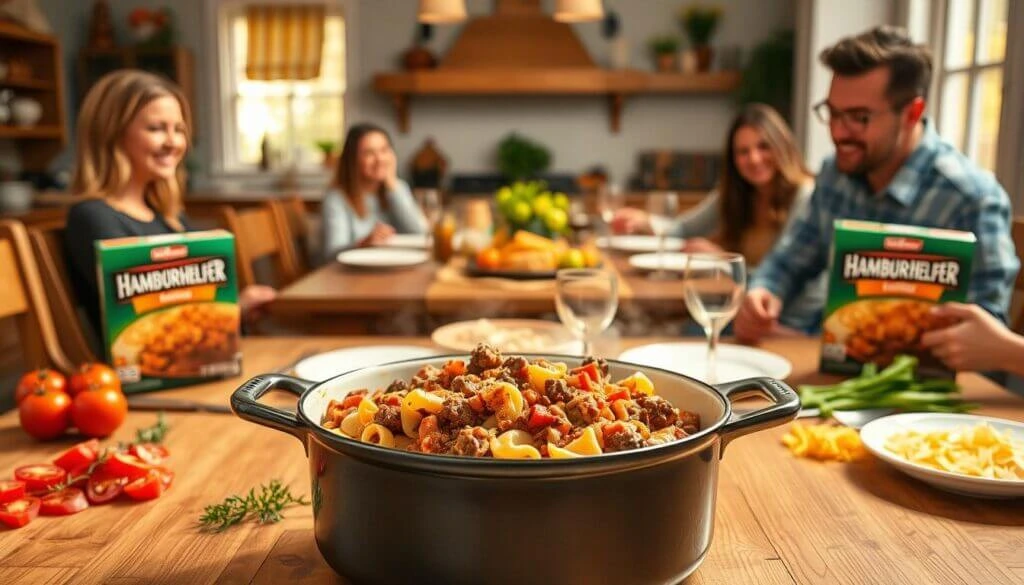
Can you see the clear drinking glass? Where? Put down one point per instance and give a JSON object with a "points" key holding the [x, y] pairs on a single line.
{"points": [[662, 209], [430, 203], [714, 286], [609, 200], [586, 300]]}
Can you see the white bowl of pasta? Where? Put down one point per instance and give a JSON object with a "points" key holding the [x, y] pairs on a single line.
{"points": [[966, 454], [404, 449]]}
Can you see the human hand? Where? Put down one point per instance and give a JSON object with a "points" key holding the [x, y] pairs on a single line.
{"points": [[701, 246], [758, 315], [629, 220], [381, 233], [977, 340], [253, 301]]}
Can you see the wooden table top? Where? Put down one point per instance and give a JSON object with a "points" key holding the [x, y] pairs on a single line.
{"points": [[337, 290], [779, 519]]}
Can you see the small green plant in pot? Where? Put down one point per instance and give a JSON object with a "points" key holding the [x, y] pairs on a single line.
{"points": [[700, 23], [522, 158], [665, 50], [328, 148]]}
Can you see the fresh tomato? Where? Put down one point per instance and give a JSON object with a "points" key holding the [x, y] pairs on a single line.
{"points": [[93, 374], [150, 453], [540, 417], [63, 503], [40, 477], [78, 458], [11, 490], [148, 487], [103, 488], [489, 259], [125, 465], [45, 415], [591, 370], [98, 411], [19, 512], [48, 380], [166, 477], [619, 395]]}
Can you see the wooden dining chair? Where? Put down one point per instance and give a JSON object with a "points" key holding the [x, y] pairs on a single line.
{"points": [[47, 240], [259, 235], [23, 298], [1017, 302], [292, 217]]}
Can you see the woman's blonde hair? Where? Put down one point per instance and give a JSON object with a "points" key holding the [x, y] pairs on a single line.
{"points": [[102, 168]]}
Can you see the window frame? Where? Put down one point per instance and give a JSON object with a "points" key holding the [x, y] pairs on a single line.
{"points": [[219, 86]]}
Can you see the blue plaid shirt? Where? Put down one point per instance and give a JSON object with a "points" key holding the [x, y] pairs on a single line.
{"points": [[937, 186]]}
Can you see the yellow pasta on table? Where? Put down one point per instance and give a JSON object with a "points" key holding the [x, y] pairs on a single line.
{"points": [[824, 442], [979, 451]]}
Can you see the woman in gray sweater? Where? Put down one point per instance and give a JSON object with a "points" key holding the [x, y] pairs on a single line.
{"points": [[367, 202]]}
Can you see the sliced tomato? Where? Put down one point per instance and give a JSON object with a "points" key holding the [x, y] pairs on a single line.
{"points": [[19, 512], [11, 490], [125, 465], [63, 503], [590, 370], [166, 477], [40, 477], [148, 487], [80, 457], [150, 453], [619, 395], [104, 488]]}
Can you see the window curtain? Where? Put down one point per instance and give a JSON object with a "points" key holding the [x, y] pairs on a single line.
{"points": [[284, 42]]}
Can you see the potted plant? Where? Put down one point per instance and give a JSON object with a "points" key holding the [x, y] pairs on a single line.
{"points": [[768, 75], [327, 147], [665, 49], [699, 23], [522, 158]]}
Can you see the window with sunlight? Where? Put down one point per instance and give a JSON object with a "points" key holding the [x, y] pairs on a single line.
{"points": [[296, 117]]}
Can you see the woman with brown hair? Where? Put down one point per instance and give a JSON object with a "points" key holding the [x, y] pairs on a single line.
{"points": [[133, 133], [764, 185], [367, 202]]}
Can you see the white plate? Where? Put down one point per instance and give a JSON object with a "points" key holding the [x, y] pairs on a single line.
{"points": [[507, 335], [735, 362], [416, 241], [382, 257], [639, 243], [323, 366], [875, 433], [673, 261]]}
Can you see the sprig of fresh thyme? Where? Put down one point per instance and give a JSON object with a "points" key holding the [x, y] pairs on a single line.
{"points": [[263, 505]]}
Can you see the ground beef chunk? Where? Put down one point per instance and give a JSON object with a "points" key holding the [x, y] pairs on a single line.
{"points": [[656, 412], [582, 409], [456, 412], [602, 365], [500, 374], [557, 391], [677, 433], [472, 442], [623, 440], [426, 373], [397, 386], [483, 358], [516, 368], [467, 385], [688, 421], [390, 417]]}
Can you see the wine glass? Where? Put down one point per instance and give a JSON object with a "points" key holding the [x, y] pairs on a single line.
{"points": [[714, 285], [586, 300], [609, 200], [430, 203], [662, 208]]}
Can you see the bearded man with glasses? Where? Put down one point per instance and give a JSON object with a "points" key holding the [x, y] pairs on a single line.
{"points": [[889, 166]]}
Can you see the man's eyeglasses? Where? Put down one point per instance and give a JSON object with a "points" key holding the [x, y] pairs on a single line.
{"points": [[855, 120]]}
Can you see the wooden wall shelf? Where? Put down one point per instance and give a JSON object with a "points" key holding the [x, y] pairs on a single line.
{"points": [[615, 85], [39, 132]]}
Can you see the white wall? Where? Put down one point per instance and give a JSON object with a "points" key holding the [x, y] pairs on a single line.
{"points": [[823, 22]]}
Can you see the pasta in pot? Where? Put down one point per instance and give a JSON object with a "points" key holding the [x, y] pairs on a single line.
{"points": [[510, 408]]}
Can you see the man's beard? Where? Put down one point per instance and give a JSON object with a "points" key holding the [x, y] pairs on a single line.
{"points": [[871, 159]]}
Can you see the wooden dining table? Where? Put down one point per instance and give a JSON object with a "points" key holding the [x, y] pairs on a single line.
{"points": [[336, 299], [779, 518]]}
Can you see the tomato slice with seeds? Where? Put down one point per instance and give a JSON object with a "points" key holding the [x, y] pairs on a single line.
{"points": [[145, 488], [63, 503], [11, 490], [150, 453], [78, 458], [104, 488], [40, 477], [19, 512], [125, 465]]}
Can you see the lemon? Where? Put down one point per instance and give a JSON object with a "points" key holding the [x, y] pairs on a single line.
{"points": [[521, 212], [541, 205], [502, 197], [556, 219], [561, 201], [573, 258]]}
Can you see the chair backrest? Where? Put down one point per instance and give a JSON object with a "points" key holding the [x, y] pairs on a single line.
{"points": [[22, 297], [258, 234], [1017, 306], [293, 217]]}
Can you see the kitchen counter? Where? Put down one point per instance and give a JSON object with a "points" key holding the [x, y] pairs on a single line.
{"points": [[779, 519]]}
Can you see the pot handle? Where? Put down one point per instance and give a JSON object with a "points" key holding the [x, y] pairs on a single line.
{"points": [[785, 407], [245, 403]]}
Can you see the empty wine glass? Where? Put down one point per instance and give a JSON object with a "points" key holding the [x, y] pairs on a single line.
{"points": [[609, 200], [586, 300], [662, 208], [430, 203], [714, 285]]}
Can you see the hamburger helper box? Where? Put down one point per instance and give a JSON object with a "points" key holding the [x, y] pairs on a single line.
{"points": [[170, 308], [883, 280]]}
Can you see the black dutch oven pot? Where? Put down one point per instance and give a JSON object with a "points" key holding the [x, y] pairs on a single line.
{"points": [[389, 516]]}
